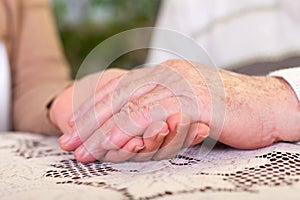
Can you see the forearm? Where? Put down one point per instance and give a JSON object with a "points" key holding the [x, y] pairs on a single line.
{"points": [[39, 69], [262, 107]]}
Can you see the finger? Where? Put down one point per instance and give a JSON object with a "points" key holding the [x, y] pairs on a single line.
{"points": [[134, 123], [82, 154], [84, 128], [175, 140], [153, 138], [156, 94], [142, 117], [197, 133], [93, 119], [88, 119], [112, 103], [115, 139], [101, 141], [89, 104], [69, 142], [91, 149], [128, 151], [126, 88], [130, 124], [117, 83]]}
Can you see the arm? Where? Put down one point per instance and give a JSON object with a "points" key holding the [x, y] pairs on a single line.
{"points": [[259, 110], [39, 68], [259, 106]]}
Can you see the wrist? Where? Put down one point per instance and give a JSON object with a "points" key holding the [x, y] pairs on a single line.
{"points": [[286, 110], [60, 106]]}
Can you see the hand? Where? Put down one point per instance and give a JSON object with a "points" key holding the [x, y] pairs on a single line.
{"points": [[182, 134], [113, 143], [253, 118], [62, 110], [160, 140]]}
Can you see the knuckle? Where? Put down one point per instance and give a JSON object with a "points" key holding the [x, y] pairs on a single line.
{"points": [[137, 112], [144, 113], [106, 102], [133, 106], [176, 63], [140, 118], [171, 62]]}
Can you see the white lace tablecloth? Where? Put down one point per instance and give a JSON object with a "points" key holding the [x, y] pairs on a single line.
{"points": [[33, 167]]}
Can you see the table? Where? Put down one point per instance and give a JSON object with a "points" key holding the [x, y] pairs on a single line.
{"points": [[33, 167]]}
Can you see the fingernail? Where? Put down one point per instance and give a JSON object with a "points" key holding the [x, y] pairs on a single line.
{"points": [[162, 127], [161, 136], [204, 133], [138, 148]]}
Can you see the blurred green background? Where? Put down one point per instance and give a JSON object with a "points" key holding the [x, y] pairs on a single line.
{"points": [[83, 24]]}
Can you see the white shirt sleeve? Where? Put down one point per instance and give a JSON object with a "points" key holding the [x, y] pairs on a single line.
{"points": [[292, 76], [5, 87]]}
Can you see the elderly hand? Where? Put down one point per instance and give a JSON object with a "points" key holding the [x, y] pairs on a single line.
{"points": [[156, 135], [88, 123], [160, 140], [253, 118], [62, 108], [179, 136]]}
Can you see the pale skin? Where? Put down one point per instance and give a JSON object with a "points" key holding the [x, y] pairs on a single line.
{"points": [[258, 112], [157, 135]]}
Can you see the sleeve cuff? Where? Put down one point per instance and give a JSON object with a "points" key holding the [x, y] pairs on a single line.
{"points": [[292, 76]]}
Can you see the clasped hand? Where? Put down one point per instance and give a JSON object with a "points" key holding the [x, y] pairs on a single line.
{"points": [[152, 113], [136, 115]]}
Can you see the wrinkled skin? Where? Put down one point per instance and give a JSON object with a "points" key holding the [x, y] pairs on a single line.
{"points": [[157, 135], [258, 112]]}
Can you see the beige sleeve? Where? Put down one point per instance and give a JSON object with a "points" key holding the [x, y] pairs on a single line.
{"points": [[39, 70]]}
